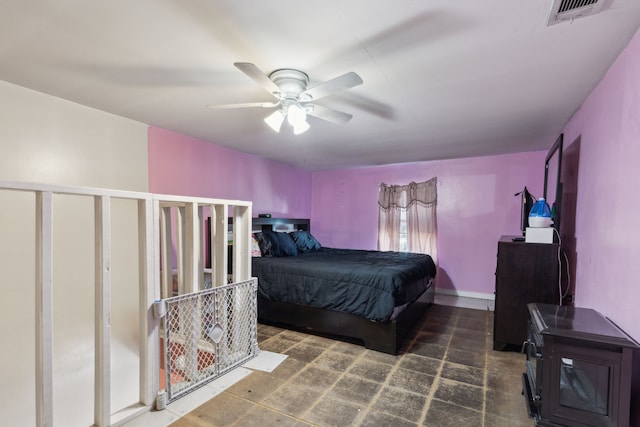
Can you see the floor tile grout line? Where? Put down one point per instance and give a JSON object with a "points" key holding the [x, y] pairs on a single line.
{"points": [[386, 383], [366, 410], [284, 383], [375, 397], [342, 375], [268, 408], [454, 322], [395, 367], [328, 348], [437, 377]]}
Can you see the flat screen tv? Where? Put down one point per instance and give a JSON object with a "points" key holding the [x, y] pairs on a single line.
{"points": [[552, 185], [526, 203]]}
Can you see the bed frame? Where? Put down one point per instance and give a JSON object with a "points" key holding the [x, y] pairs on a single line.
{"points": [[386, 337]]}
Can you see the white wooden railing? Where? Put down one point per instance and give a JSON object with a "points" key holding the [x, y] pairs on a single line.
{"points": [[169, 239]]}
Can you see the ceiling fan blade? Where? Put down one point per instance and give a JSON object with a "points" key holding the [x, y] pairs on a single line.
{"points": [[258, 76], [245, 105], [342, 82], [328, 114]]}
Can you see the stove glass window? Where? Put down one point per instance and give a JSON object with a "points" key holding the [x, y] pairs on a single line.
{"points": [[584, 385]]}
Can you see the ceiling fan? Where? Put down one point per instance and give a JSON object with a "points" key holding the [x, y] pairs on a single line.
{"points": [[294, 101]]}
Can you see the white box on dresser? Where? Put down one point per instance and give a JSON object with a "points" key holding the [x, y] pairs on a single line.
{"points": [[539, 235]]}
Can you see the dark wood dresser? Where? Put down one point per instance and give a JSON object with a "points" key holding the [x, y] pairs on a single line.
{"points": [[525, 273]]}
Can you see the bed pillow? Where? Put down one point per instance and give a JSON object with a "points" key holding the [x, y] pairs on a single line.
{"points": [[273, 244], [305, 242], [255, 247], [264, 244]]}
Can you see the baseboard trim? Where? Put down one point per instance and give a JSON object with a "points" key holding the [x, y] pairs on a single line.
{"points": [[466, 294], [475, 300]]}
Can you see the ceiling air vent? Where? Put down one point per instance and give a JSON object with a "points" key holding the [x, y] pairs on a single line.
{"points": [[565, 10]]}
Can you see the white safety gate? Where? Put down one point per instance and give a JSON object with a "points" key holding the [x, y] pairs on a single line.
{"points": [[207, 333]]}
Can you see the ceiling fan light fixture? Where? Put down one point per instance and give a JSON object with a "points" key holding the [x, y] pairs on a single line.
{"points": [[301, 128], [274, 120], [293, 96], [297, 116]]}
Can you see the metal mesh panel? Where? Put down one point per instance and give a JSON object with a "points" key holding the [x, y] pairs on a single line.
{"points": [[208, 333]]}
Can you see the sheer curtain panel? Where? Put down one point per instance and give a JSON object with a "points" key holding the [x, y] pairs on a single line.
{"points": [[418, 203]]}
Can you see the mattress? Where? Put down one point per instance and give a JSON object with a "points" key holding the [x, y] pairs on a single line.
{"points": [[365, 283]]}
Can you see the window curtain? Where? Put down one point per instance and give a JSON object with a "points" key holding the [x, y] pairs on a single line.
{"points": [[418, 200]]}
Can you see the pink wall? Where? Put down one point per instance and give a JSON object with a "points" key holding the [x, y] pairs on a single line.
{"points": [[187, 166], [476, 205], [476, 197], [608, 206]]}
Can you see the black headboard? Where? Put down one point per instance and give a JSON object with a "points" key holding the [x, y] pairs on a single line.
{"points": [[262, 224], [268, 224]]}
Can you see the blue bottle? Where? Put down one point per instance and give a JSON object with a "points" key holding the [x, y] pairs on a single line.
{"points": [[540, 214]]}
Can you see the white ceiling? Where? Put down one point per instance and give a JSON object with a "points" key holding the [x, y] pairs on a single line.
{"points": [[442, 78]]}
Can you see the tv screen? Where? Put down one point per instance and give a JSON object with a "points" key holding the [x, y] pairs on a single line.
{"points": [[526, 203], [552, 185]]}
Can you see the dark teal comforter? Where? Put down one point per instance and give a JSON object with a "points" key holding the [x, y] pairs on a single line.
{"points": [[365, 283]]}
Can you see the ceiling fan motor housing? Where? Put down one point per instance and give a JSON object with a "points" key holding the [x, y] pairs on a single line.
{"points": [[292, 82]]}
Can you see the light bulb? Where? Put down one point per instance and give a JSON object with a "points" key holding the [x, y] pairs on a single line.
{"points": [[274, 120], [296, 115], [301, 128]]}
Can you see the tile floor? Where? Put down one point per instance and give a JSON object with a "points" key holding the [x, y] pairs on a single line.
{"points": [[446, 375]]}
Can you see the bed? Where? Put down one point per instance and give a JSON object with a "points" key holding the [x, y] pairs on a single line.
{"points": [[368, 297]]}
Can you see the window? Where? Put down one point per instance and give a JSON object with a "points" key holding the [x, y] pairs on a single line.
{"points": [[407, 217]]}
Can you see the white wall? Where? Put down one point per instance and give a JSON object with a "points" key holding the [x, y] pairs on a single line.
{"points": [[49, 140]]}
